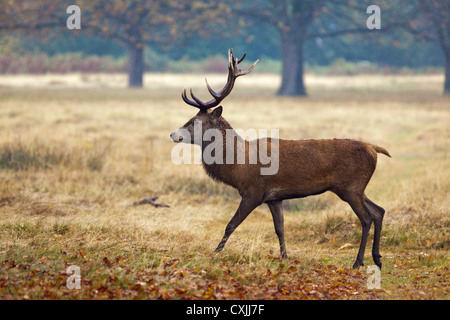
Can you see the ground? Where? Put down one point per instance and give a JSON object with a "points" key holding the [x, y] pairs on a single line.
{"points": [[76, 150]]}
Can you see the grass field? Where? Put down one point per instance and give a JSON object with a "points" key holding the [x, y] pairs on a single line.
{"points": [[75, 150]]}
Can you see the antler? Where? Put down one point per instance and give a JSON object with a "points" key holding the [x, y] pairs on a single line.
{"points": [[233, 73]]}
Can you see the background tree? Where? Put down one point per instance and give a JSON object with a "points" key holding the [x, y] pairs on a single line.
{"points": [[432, 23], [292, 19], [134, 23], [299, 20], [137, 23], [265, 28], [31, 16]]}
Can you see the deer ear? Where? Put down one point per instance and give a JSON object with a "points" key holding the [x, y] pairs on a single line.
{"points": [[217, 112]]}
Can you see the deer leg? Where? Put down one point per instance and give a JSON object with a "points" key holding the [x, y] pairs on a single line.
{"points": [[276, 208], [358, 206], [245, 207], [377, 214]]}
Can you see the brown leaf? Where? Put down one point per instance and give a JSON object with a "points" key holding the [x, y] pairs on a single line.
{"points": [[345, 246]]}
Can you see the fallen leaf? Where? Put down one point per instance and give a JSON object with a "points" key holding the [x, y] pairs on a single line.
{"points": [[345, 246]]}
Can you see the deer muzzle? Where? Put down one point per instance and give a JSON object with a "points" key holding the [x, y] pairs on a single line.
{"points": [[176, 136]]}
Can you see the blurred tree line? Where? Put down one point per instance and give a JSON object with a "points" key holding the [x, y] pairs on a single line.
{"points": [[316, 32]]}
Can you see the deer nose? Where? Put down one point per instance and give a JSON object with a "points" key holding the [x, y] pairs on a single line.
{"points": [[175, 137]]}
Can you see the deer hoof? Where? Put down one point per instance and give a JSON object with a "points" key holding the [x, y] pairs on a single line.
{"points": [[357, 264]]}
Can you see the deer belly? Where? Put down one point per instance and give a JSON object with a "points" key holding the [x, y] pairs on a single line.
{"points": [[285, 194]]}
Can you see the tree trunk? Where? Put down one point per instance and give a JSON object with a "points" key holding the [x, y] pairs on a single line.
{"points": [[292, 74], [447, 72], [135, 66]]}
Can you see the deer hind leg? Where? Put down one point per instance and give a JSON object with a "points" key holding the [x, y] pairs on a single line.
{"points": [[245, 208], [358, 205], [276, 208], [377, 214]]}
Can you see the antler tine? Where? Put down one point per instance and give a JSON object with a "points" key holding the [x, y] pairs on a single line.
{"points": [[228, 85], [237, 71], [230, 80], [240, 60], [211, 91], [200, 103], [249, 69], [190, 102], [237, 60]]}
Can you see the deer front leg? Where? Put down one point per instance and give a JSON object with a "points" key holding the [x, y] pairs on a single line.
{"points": [[245, 207]]}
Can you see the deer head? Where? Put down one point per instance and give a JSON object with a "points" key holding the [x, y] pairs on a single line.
{"points": [[207, 118]]}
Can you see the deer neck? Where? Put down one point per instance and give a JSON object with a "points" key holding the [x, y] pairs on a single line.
{"points": [[214, 155]]}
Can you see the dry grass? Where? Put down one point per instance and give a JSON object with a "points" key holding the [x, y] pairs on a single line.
{"points": [[74, 153]]}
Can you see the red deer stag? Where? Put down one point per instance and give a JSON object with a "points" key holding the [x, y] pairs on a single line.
{"points": [[306, 167]]}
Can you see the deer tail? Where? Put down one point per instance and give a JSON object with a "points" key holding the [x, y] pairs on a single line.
{"points": [[381, 150]]}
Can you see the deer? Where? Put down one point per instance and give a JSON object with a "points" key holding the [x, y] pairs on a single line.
{"points": [[306, 168]]}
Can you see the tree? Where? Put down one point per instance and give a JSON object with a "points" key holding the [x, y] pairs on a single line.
{"points": [[299, 20], [292, 20], [432, 23], [139, 22], [31, 16], [134, 23], [296, 18]]}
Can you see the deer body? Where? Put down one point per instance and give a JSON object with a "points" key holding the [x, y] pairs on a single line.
{"points": [[306, 167], [311, 167]]}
